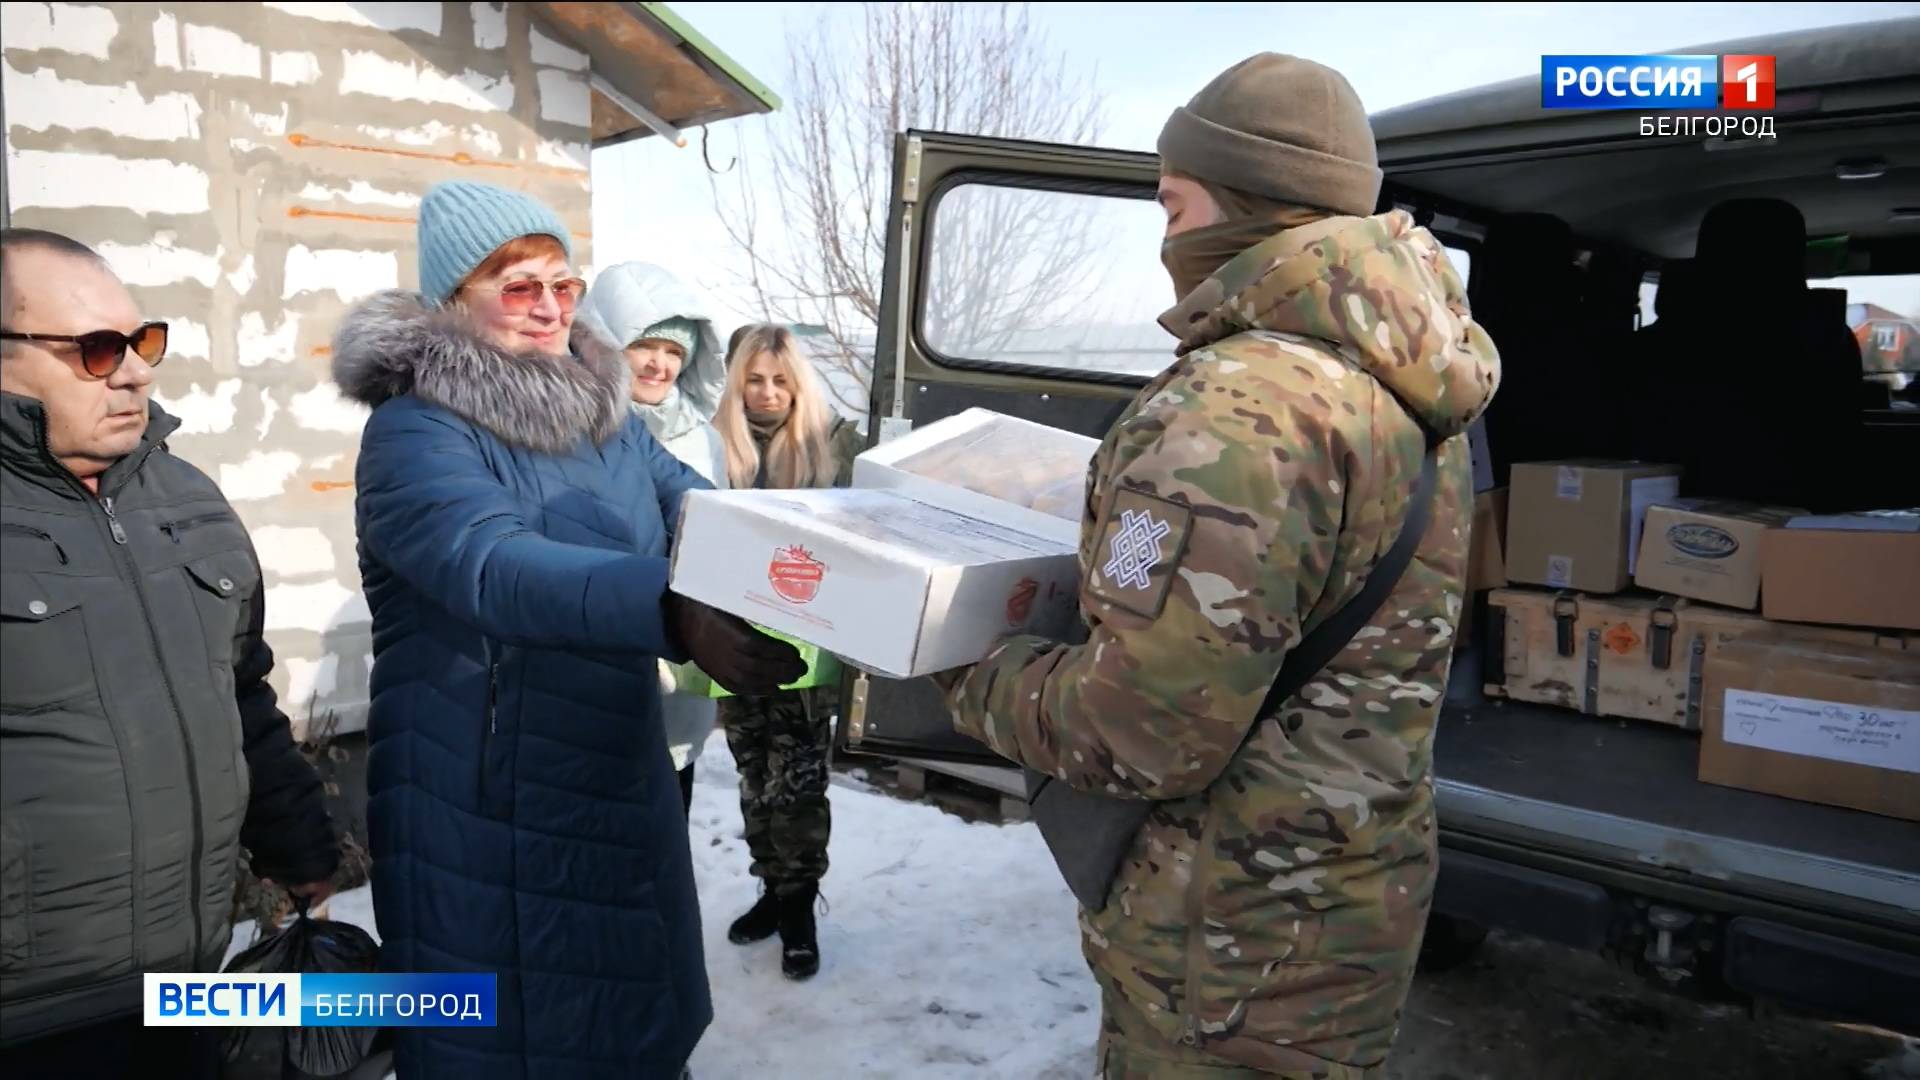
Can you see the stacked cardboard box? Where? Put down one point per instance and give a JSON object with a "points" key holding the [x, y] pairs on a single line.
{"points": [[1821, 721], [1707, 549], [1825, 721], [1840, 597], [990, 465], [1852, 569], [1576, 524]]}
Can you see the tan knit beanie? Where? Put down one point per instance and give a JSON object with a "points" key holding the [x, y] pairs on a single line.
{"points": [[1281, 127]]}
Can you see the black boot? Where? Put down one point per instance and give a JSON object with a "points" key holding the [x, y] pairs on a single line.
{"points": [[800, 943], [760, 922]]}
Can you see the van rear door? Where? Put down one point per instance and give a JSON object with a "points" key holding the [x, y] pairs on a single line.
{"points": [[1023, 278]]}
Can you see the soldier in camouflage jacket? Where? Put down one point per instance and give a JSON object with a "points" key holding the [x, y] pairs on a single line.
{"points": [[1267, 918]]}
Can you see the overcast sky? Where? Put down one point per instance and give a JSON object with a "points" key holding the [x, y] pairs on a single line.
{"points": [[653, 202]]}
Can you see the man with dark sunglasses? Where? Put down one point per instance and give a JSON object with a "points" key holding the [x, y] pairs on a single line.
{"points": [[142, 745]]}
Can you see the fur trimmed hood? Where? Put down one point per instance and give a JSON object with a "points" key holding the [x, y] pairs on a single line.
{"points": [[393, 343]]}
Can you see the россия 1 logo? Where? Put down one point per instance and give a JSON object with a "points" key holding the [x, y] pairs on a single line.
{"points": [[1656, 81], [1747, 82]]}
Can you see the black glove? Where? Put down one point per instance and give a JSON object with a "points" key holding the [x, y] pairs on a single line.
{"points": [[735, 655]]}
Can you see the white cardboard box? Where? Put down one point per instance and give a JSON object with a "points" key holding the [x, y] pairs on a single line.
{"points": [[886, 582], [991, 466]]}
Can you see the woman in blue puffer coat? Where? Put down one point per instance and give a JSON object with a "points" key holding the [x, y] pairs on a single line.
{"points": [[513, 519]]}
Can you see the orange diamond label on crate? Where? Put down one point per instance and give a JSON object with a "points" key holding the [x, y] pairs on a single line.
{"points": [[795, 574], [1621, 639]]}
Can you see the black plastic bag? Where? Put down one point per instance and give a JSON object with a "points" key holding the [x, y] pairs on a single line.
{"points": [[306, 945]]}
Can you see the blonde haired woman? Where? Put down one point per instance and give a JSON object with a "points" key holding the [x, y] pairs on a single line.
{"points": [[778, 427], [780, 432]]}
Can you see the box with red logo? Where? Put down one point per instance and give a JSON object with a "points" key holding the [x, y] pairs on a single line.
{"points": [[894, 585]]}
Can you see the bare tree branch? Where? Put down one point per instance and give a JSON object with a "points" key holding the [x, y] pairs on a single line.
{"points": [[1005, 260]]}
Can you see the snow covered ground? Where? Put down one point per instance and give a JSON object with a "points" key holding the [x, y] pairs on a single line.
{"points": [[951, 951]]}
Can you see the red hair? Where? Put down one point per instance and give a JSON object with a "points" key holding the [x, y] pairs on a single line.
{"points": [[518, 249]]}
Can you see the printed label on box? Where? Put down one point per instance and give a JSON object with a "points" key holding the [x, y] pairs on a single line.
{"points": [[1560, 571], [1644, 494], [1568, 485], [1856, 734], [1703, 541]]}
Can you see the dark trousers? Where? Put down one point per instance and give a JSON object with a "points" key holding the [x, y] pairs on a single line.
{"points": [[782, 743], [117, 1050], [686, 789]]}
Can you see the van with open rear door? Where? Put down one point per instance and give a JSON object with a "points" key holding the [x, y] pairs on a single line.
{"points": [[1023, 278]]}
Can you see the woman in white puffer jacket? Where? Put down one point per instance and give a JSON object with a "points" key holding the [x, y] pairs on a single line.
{"points": [[673, 352]]}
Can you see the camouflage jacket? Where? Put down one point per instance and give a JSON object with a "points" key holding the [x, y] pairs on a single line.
{"points": [[1271, 910]]}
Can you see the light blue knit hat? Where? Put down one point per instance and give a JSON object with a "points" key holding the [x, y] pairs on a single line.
{"points": [[681, 331], [462, 222]]}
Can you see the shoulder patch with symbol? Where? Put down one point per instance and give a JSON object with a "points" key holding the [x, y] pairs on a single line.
{"points": [[1141, 540]]}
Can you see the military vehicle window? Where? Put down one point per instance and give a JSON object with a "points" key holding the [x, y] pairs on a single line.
{"points": [[1051, 279], [1884, 314], [1462, 260]]}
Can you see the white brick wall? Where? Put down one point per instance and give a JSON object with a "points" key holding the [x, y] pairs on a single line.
{"points": [[251, 170], [221, 52], [159, 263], [43, 101], [371, 73], [260, 344], [350, 275], [57, 179], [381, 16], [206, 412], [83, 30], [294, 68]]}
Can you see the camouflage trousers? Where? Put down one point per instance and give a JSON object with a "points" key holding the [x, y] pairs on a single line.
{"points": [[781, 744], [1130, 1049]]}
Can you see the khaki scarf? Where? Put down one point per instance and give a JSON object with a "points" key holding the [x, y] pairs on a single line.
{"points": [[1195, 255], [766, 425]]}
